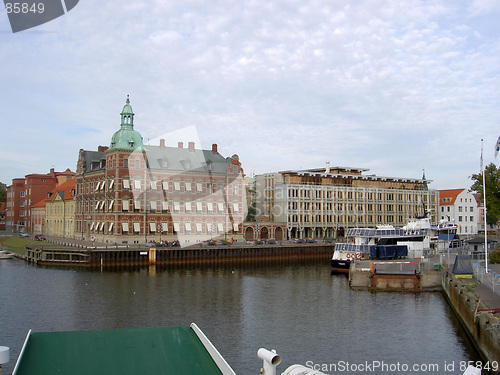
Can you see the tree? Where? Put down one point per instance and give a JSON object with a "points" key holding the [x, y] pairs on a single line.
{"points": [[3, 192], [492, 177]]}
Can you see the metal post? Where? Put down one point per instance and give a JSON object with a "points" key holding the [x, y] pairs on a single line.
{"points": [[485, 217]]}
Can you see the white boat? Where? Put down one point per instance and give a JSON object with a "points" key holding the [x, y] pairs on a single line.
{"points": [[384, 241], [6, 255]]}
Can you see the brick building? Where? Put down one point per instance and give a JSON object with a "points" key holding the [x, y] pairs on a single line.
{"points": [[15, 215], [27, 191], [132, 193]]}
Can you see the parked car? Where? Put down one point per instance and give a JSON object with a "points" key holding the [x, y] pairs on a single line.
{"points": [[271, 241], [311, 240], [24, 234], [259, 242], [297, 240], [250, 242], [40, 237]]}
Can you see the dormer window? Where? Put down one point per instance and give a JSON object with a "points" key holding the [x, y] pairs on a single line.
{"points": [[131, 143]]}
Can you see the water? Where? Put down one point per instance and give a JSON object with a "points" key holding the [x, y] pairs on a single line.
{"points": [[308, 315]]}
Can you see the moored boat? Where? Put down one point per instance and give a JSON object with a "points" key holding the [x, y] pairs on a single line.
{"points": [[382, 242], [6, 255]]}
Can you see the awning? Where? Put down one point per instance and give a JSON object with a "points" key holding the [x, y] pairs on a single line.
{"points": [[126, 205]]}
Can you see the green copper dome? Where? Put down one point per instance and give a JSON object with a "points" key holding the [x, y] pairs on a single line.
{"points": [[126, 138]]}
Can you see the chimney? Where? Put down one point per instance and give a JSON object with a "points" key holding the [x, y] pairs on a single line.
{"points": [[214, 148], [102, 148], [191, 146], [51, 172], [180, 145], [327, 167], [162, 143]]}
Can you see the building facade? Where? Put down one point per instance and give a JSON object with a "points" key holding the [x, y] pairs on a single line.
{"points": [[460, 207], [324, 202], [3, 205], [24, 192], [131, 193], [60, 211], [15, 214]]}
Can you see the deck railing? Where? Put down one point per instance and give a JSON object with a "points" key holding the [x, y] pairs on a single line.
{"points": [[490, 279]]}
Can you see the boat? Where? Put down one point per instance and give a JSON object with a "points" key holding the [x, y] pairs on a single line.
{"points": [[382, 242], [4, 254]]}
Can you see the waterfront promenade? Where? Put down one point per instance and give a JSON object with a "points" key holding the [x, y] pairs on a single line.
{"points": [[478, 308]]}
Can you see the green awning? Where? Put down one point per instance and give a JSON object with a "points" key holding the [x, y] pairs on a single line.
{"points": [[163, 350]]}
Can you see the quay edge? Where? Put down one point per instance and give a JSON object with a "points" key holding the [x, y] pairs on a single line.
{"points": [[482, 327], [142, 256]]}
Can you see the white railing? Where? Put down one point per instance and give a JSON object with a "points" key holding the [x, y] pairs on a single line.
{"points": [[490, 279]]}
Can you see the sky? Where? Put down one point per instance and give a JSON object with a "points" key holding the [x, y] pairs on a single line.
{"points": [[397, 87]]}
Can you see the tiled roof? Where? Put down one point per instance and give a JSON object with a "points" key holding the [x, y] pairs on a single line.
{"points": [[448, 197], [64, 190]]}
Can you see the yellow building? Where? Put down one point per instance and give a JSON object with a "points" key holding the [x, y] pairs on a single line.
{"points": [[60, 211]]}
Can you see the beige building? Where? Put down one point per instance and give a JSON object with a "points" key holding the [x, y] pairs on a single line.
{"points": [[60, 211], [324, 202]]}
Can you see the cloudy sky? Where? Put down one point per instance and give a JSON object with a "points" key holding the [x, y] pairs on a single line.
{"points": [[393, 86]]}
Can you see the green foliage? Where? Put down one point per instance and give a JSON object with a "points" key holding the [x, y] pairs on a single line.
{"points": [[251, 212], [3, 192], [492, 177], [495, 256]]}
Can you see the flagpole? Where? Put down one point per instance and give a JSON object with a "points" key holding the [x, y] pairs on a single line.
{"points": [[483, 170]]}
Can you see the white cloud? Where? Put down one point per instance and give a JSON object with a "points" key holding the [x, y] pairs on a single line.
{"points": [[396, 86]]}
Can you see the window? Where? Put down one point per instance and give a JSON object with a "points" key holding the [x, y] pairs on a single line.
{"points": [[126, 205], [137, 204], [137, 227]]}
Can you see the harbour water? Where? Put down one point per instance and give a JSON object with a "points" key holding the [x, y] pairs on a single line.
{"points": [[308, 315]]}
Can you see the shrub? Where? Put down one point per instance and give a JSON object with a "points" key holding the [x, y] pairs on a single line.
{"points": [[495, 256]]}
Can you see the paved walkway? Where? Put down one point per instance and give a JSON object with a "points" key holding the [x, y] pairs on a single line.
{"points": [[488, 297]]}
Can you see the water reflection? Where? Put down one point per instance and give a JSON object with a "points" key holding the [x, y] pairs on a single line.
{"points": [[301, 310]]}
